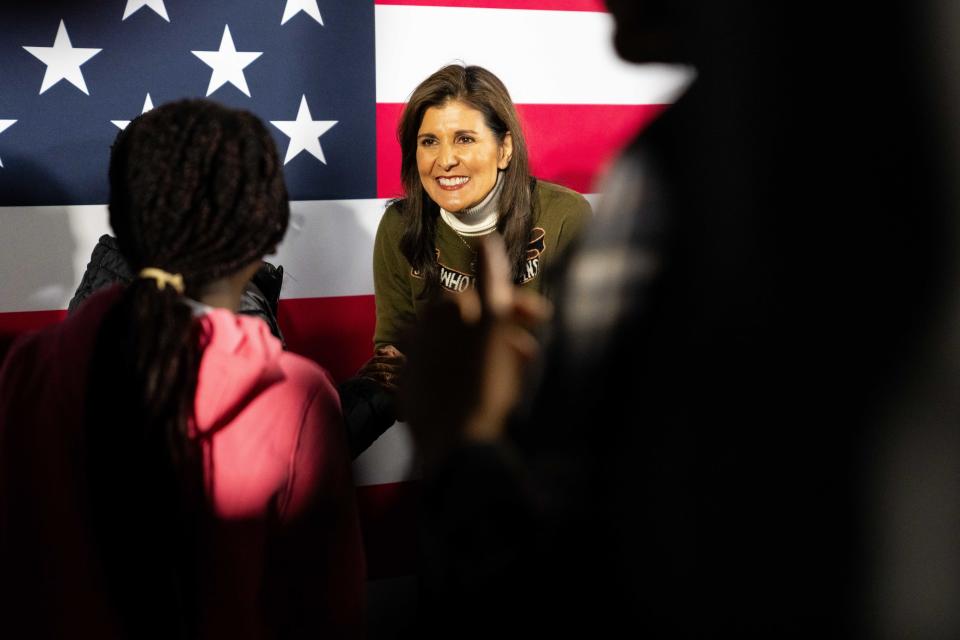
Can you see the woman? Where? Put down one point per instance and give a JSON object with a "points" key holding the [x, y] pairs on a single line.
{"points": [[166, 469], [465, 175]]}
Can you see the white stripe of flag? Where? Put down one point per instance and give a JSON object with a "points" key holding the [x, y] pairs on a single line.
{"points": [[543, 57]]}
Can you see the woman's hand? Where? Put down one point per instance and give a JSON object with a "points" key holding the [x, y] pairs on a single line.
{"points": [[385, 367], [470, 357]]}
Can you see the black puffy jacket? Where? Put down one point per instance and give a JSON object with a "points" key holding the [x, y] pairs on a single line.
{"points": [[108, 266]]}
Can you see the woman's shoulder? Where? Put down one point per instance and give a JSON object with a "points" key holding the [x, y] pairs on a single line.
{"points": [[557, 200], [393, 219], [554, 189], [396, 211]]}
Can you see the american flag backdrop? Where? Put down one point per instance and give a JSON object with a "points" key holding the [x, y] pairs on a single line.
{"points": [[330, 76]]}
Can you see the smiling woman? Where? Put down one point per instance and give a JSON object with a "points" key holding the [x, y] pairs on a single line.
{"points": [[465, 175], [459, 158]]}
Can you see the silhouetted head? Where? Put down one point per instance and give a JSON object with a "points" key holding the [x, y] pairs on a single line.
{"points": [[653, 30]]}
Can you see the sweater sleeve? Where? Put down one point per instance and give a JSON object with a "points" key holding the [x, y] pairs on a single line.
{"points": [[317, 552], [392, 283]]}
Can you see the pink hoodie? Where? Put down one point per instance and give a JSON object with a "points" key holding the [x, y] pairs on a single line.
{"points": [[276, 468]]}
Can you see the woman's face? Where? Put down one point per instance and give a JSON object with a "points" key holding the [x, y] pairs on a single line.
{"points": [[458, 155]]}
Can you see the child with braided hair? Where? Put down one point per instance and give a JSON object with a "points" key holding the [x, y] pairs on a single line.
{"points": [[166, 469]]}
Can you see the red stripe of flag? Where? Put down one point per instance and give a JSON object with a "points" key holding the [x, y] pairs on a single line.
{"points": [[549, 5], [336, 332], [571, 144]]}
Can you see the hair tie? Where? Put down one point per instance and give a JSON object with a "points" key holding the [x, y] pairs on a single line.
{"points": [[163, 278]]}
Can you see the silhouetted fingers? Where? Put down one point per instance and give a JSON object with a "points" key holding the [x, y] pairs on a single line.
{"points": [[530, 310], [493, 285]]}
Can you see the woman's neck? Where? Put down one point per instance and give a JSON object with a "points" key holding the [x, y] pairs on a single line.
{"points": [[479, 219]]}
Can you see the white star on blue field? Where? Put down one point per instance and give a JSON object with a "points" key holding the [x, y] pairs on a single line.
{"points": [[73, 74]]}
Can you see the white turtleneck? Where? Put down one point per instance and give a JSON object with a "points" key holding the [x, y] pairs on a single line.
{"points": [[479, 219]]}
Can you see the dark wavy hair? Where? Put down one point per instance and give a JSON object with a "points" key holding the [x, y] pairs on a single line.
{"points": [[483, 91], [195, 189]]}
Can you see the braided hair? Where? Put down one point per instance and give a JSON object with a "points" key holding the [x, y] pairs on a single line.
{"points": [[196, 189]]}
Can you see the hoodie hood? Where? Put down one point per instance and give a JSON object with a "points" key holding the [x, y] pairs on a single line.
{"points": [[241, 358]]}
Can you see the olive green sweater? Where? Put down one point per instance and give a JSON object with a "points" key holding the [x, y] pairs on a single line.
{"points": [[560, 215]]}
